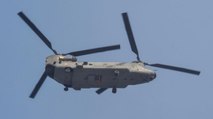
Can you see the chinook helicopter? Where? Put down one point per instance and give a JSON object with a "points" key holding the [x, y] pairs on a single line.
{"points": [[68, 71]]}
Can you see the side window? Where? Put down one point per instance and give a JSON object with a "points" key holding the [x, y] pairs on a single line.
{"points": [[68, 69]]}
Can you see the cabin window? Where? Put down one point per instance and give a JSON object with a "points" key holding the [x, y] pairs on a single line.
{"points": [[116, 72], [85, 63], [68, 69]]}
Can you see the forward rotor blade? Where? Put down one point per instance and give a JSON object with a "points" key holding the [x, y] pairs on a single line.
{"points": [[38, 85], [180, 69], [130, 34], [101, 90], [36, 30], [95, 50]]}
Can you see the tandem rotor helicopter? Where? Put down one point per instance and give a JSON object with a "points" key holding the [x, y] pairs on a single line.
{"points": [[68, 71]]}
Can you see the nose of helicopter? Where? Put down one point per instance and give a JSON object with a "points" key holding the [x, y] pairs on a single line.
{"points": [[50, 70], [152, 75]]}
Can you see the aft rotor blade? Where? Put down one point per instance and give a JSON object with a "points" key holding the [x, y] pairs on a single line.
{"points": [[38, 85], [36, 30], [95, 50], [180, 69], [130, 34], [101, 90]]}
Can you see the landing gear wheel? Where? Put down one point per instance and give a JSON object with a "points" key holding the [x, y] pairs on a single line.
{"points": [[66, 89], [114, 90]]}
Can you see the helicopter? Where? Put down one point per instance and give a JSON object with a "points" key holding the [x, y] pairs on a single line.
{"points": [[68, 71]]}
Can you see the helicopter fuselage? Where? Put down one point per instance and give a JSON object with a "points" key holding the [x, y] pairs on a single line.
{"points": [[103, 75], [77, 75]]}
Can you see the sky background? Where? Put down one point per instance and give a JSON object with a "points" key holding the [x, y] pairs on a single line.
{"points": [[175, 32]]}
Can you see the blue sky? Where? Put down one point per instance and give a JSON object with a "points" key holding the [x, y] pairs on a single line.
{"points": [[176, 32]]}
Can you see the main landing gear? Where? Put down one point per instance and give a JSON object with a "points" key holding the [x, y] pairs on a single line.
{"points": [[66, 89], [114, 90]]}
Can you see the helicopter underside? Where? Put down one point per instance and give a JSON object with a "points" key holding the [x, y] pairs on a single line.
{"points": [[101, 75]]}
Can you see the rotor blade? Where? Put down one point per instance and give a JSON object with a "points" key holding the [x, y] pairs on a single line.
{"points": [[185, 70], [38, 85], [101, 90], [36, 30], [95, 50], [130, 34]]}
